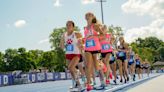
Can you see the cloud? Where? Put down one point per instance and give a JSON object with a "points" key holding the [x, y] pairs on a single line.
{"points": [[43, 41], [153, 8], [156, 28], [57, 3], [19, 23], [88, 2]]}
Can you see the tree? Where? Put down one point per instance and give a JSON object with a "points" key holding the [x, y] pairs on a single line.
{"points": [[35, 56], [21, 50], [55, 37], [148, 48], [115, 30], [48, 60], [149, 42], [60, 60], [18, 60], [2, 63], [8, 58], [161, 53]]}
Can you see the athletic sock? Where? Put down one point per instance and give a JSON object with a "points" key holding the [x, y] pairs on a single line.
{"points": [[73, 83], [83, 78]]}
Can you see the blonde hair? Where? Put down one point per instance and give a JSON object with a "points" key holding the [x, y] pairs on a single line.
{"points": [[122, 38]]}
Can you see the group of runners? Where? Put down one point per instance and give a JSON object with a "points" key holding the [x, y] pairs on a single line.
{"points": [[99, 54]]}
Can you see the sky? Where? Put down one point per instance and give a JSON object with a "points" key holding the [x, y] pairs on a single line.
{"points": [[28, 23]]}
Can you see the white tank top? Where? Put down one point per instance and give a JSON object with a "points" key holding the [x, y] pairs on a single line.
{"points": [[71, 44]]}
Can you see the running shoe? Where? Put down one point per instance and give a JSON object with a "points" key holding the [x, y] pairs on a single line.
{"points": [[134, 77], [115, 81], [89, 87], [107, 82], [127, 78]]}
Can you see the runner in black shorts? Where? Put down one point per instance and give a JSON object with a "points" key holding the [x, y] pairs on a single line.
{"points": [[146, 67], [131, 63], [113, 66], [138, 65], [121, 58]]}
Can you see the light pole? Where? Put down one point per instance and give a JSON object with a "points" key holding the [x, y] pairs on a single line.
{"points": [[102, 13]]}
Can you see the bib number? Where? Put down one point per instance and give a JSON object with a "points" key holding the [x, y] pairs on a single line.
{"points": [[90, 43], [131, 60], [112, 58], [121, 54], [69, 47], [106, 47], [137, 63]]}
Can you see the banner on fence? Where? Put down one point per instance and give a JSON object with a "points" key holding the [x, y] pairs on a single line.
{"points": [[69, 75], [49, 76], [5, 80], [63, 75], [0, 80], [41, 76], [8, 79], [33, 78]]}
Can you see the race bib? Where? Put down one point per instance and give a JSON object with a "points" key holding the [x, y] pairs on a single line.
{"points": [[112, 58], [137, 63], [121, 54], [69, 47], [90, 43], [105, 46], [131, 60]]}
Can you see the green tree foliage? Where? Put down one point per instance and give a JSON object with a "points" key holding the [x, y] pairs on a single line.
{"points": [[20, 59], [150, 42], [2, 63], [161, 53], [9, 58], [55, 37], [35, 56], [115, 30], [150, 48], [48, 60]]}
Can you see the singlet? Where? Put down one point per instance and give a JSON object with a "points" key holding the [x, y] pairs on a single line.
{"points": [[71, 44]]}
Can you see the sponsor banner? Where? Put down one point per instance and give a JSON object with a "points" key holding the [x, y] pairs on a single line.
{"points": [[33, 77], [28, 76], [0, 80], [68, 75], [49, 76], [10, 79], [62, 75], [24, 75], [57, 76], [40, 77], [5, 80]]}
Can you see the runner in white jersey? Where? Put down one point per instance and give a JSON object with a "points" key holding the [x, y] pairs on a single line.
{"points": [[71, 43]]}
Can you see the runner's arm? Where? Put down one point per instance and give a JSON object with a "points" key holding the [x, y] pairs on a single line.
{"points": [[62, 42]]}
